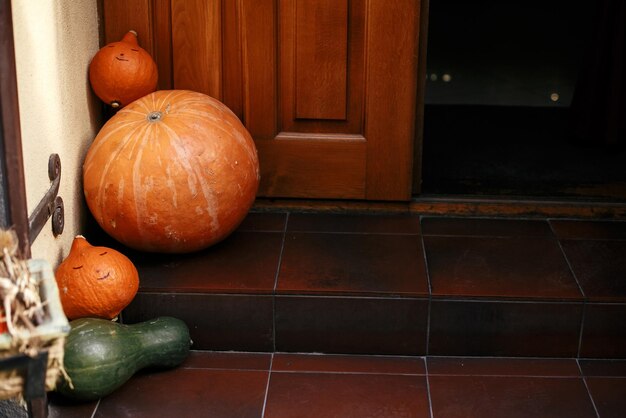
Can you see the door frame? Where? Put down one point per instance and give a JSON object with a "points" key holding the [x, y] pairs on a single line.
{"points": [[11, 158]]}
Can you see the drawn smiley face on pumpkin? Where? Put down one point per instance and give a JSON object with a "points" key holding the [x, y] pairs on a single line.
{"points": [[123, 52], [122, 72], [101, 269], [95, 281]]}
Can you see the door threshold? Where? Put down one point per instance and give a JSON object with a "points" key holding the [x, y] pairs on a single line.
{"points": [[454, 205], [518, 207]]}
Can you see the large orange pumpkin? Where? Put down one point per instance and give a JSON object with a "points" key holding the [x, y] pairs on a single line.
{"points": [[175, 172], [95, 281], [122, 72]]}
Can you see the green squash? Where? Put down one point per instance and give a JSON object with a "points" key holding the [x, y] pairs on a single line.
{"points": [[100, 355]]}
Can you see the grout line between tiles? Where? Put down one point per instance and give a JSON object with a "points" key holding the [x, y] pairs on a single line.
{"points": [[430, 401], [346, 373], [584, 313], [430, 293], [502, 357], [593, 403], [280, 261], [93, 414], [501, 300], [267, 386], [243, 369], [582, 327], [522, 376], [318, 354], [569, 264], [511, 236], [430, 287], [354, 232]]}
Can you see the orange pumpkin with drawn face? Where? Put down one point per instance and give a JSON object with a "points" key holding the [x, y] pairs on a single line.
{"points": [[95, 281], [122, 72]]}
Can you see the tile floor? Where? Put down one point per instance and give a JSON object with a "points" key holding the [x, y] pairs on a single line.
{"points": [[417, 316], [225, 385]]}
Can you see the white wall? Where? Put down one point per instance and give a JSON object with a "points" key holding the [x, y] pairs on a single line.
{"points": [[54, 43]]}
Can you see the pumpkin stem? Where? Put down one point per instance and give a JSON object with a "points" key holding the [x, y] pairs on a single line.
{"points": [[79, 243], [130, 37], [155, 116]]}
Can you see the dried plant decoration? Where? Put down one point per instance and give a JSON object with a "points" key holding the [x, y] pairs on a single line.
{"points": [[22, 311], [19, 291]]}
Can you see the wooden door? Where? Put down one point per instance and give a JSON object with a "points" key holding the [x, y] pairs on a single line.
{"points": [[327, 88]]}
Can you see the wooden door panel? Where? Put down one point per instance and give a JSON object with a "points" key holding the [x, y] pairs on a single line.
{"points": [[391, 85], [321, 74], [324, 166], [197, 46], [321, 58], [258, 28], [327, 88]]}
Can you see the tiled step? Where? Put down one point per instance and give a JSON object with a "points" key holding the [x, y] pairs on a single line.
{"points": [[212, 384], [398, 285]]}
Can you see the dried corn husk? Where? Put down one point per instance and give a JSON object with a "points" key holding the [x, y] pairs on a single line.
{"points": [[23, 311]]}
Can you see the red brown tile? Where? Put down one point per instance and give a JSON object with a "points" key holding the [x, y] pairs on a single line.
{"points": [[264, 221], [284, 362], [492, 366], [327, 395], [512, 329], [216, 322], [371, 224], [188, 393], [481, 227], [385, 326], [244, 262], [609, 395], [565, 229], [600, 267], [487, 267], [352, 264], [227, 360], [60, 407], [511, 397], [603, 368], [604, 331]]}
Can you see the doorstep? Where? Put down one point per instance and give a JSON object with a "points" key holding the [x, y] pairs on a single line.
{"points": [[397, 284]]}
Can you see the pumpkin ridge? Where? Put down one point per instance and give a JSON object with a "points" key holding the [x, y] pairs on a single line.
{"points": [[166, 169], [139, 197], [134, 112], [207, 191], [198, 113], [127, 139], [182, 159], [138, 103], [172, 94], [104, 140]]}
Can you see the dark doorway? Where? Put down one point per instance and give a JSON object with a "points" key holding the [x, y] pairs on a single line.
{"points": [[501, 80]]}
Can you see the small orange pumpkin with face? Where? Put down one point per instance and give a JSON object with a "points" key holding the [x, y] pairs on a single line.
{"points": [[95, 281], [122, 72]]}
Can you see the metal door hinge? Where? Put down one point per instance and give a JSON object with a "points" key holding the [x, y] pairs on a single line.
{"points": [[50, 205]]}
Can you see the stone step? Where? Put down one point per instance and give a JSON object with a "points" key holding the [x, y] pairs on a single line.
{"points": [[397, 285]]}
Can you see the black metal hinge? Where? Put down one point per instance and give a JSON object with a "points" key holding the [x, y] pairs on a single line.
{"points": [[50, 205]]}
